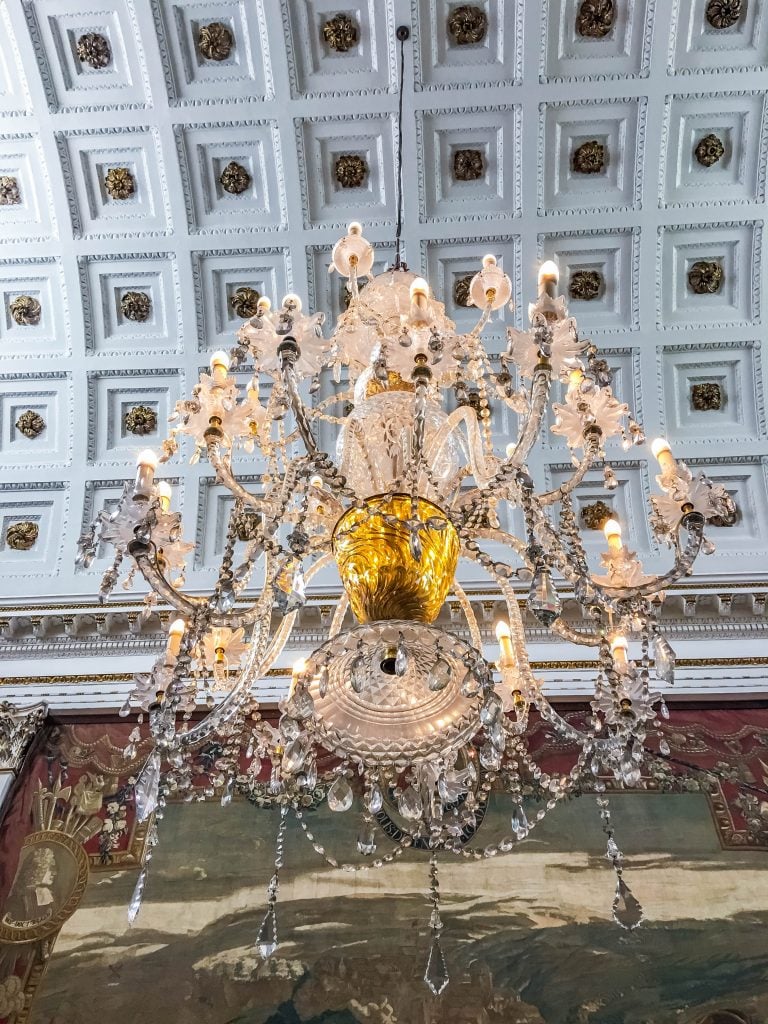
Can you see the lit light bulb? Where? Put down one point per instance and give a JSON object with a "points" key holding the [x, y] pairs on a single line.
{"points": [[293, 300], [619, 649], [263, 305], [662, 452], [219, 366], [489, 261], [575, 377], [316, 481], [298, 670], [175, 633], [163, 491], [507, 656], [355, 228], [548, 278], [612, 531], [419, 299], [510, 449], [146, 464]]}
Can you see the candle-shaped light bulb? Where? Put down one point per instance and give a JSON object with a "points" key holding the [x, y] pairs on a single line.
{"points": [[419, 299], [316, 481], [219, 366], [619, 649], [612, 531], [263, 305], [355, 228], [510, 449], [297, 671], [662, 452], [575, 377], [175, 633], [506, 655], [489, 261], [163, 491], [146, 464], [548, 278], [292, 302]]}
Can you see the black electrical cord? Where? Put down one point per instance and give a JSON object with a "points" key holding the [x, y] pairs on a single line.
{"points": [[403, 33]]}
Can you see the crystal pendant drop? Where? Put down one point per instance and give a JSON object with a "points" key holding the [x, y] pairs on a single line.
{"points": [[490, 710], [415, 545], [409, 804], [357, 677], [147, 787], [519, 822], [490, 757], [229, 789], [374, 799], [340, 795], [266, 939], [543, 601], [322, 681], [440, 675], [302, 704], [401, 657], [293, 757], [627, 911], [663, 747], [436, 974], [366, 839], [138, 893], [226, 599], [664, 657]]}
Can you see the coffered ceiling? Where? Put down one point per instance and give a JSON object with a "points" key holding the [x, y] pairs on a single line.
{"points": [[159, 156]]}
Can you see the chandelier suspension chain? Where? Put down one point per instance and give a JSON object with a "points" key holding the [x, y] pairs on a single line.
{"points": [[403, 33]]}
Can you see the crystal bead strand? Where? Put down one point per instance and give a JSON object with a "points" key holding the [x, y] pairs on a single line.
{"points": [[266, 938], [627, 911], [436, 974]]}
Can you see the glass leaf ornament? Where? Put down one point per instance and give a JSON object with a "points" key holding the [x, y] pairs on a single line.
{"points": [[627, 911], [340, 795]]}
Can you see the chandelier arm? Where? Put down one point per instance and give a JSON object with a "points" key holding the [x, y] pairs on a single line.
{"points": [[540, 388], [183, 603], [338, 615], [299, 410], [591, 451], [469, 615], [226, 477], [575, 636]]}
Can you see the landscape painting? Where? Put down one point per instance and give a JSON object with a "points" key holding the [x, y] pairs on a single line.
{"points": [[528, 938]]}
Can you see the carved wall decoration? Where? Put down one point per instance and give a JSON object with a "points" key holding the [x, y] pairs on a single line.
{"points": [[93, 49], [245, 302], [468, 24], [119, 183], [215, 41], [10, 194], [461, 289], [31, 424], [141, 419], [350, 170], [585, 285], [589, 157], [468, 164], [705, 277], [235, 179], [596, 515], [340, 33], [595, 18], [22, 536], [724, 13], [246, 524], [26, 310], [706, 396], [136, 306], [709, 150]]}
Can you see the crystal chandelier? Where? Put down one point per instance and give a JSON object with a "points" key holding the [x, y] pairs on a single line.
{"points": [[400, 717]]}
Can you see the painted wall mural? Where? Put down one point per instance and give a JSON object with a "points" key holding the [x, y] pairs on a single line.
{"points": [[528, 938]]}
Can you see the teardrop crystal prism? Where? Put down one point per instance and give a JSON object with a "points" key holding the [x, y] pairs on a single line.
{"points": [[416, 546], [366, 839], [490, 757], [409, 804], [293, 757], [490, 710], [266, 939], [436, 974], [440, 675], [229, 789], [627, 911], [664, 657], [519, 822], [401, 657], [357, 677], [322, 681], [543, 601], [138, 894], [147, 786], [226, 599], [340, 795], [374, 799]]}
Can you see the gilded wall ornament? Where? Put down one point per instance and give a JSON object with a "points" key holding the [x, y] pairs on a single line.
{"points": [[215, 41], [468, 164], [26, 310], [235, 178], [245, 302], [136, 306], [350, 170], [705, 277], [93, 49], [468, 24], [596, 515], [340, 33], [589, 157], [595, 18], [10, 194], [119, 183], [709, 150], [246, 524], [706, 396], [724, 13], [22, 536], [585, 285], [141, 419], [461, 289], [31, 424]]}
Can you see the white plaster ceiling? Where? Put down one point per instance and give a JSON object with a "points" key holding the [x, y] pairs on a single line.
{"points": [[285, 105]]}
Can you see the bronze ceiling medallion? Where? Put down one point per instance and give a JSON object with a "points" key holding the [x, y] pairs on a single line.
{"points": [[26, 310], [136, 306], [215, 41], [10, 194], [235, 178], [468, 164], [595, 18], [709, 150], [31, 424], [726, 520], [119, 183], [461, 289], [724, 13], [93, 49], [22, 536], [141, 419], [350, 170], [596, 515], [589, 158], [705, 277], [245, 302], [468, 24], [706, 396], [246, 525], [340, 33], [585, 285]]}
